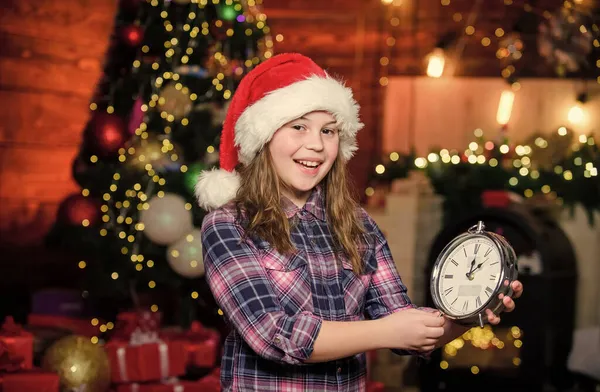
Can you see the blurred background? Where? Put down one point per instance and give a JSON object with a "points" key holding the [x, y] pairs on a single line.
{"points": [[473, 111]]}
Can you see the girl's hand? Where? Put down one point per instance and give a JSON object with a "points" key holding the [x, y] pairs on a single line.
{"points": [[412, 329], [453, 330], [509, 304]]}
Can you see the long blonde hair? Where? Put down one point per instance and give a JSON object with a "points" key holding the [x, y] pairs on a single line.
{"points": [[258, 198]]}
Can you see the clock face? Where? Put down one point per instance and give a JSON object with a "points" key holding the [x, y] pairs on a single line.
{"points": [[469, 276]]}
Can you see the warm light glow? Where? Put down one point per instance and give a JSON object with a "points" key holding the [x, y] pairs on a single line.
{"points": [[576, 114], [507, 98], [436, 62]]}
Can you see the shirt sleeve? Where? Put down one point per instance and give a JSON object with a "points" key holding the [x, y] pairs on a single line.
{"points": [[387, 293], [242, 289]]}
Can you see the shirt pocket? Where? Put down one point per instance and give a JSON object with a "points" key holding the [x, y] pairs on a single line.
{"points": [[355, 286], [290, 279]]}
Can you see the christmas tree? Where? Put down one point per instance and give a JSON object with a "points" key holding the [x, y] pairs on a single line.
{"points": [[154, 124]]}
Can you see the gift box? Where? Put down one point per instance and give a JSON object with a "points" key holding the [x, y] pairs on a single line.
{"points": [[375, 386], [18, 341], [58, 302], [32, 380], [145, 358], [129, 322], [201, 344], [171, 385], [77, 326]]}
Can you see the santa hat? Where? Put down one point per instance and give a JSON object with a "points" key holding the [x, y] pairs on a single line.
{"points": [[279, 90]]}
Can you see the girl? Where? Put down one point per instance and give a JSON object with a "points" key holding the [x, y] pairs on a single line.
{"points": [[290, 257]]}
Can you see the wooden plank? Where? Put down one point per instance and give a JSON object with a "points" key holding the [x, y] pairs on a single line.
{"points": [[87, 56], [84, 22], [35, 74], [42, 117], [31, 173]]}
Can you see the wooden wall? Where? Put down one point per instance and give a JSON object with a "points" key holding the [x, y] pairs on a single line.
{"points": [[51, 54]]}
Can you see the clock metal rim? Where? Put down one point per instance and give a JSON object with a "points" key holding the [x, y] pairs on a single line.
{"points": [[508, 264]]}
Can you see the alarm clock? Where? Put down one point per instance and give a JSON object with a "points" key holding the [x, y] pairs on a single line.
{"points": [[470, 273]]}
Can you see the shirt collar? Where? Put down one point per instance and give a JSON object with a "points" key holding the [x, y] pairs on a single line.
{"points": [[315, 205]]}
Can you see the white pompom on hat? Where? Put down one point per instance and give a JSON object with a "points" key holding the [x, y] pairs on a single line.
{"points": [[279, 90]]}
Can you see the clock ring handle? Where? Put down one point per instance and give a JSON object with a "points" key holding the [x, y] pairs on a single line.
{"points": [[478, 228]]}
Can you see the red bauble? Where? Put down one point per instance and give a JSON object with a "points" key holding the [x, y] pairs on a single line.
{"points": [[79, 210], [107, 134], [132, 35]]}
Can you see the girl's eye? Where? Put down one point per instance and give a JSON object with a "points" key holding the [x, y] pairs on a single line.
{"points": [[298, 127], [328, 131]]}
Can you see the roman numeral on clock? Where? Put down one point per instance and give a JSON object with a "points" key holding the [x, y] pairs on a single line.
{"points": [[465, 306], [489, 291], [454, 262], [448, 290], [448, 276], [492, 277], [488, 252], [478, 301], [477, 246], [465, 250], [453, 302]]}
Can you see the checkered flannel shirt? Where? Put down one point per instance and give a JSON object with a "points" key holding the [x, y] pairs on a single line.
{"points": [[276, 303]]}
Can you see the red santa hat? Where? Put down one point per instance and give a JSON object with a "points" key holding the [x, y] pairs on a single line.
{"points": [[279, 90]]}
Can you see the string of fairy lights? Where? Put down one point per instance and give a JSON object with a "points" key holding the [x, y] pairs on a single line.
{"points": [[121, 216]]}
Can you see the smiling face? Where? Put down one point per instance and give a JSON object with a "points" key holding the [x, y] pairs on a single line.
{"points": [[303, 152]]}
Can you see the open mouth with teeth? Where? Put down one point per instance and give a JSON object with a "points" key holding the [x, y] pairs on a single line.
{"points": [[308, 164]]}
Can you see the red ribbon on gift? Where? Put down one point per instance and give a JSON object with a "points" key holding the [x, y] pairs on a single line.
{"points": [[9, 362]]}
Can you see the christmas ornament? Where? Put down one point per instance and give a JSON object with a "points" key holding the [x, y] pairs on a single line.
{"points": [[161, 154], [167, 219], [80, 364], [132, 35], [228, 12], [185, 255], [79, 210], [175, 101], [191, 176], [136, 117], [106, 134], [548, 150]]}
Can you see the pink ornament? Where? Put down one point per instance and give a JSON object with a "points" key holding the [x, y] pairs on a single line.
{"points": [[136, 117]]}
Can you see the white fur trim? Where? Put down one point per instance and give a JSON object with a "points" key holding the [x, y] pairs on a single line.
{"points": [[258, 122], [216, 187]]}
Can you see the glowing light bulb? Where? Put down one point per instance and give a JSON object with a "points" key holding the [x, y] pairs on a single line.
{"points": [[576, 114], [507, 98], [436, 63]]}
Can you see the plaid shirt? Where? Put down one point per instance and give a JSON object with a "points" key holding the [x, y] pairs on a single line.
{"points": [[276, 303]]}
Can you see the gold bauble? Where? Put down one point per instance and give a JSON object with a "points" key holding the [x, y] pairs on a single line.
{"points": [[175, 101], [548, 150], [78, 363], [154, 151]]}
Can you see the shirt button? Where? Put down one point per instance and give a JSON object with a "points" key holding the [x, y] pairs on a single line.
{"points": [[277, 340], [339, 370]]}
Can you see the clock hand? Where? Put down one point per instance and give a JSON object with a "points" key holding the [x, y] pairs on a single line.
{"points": [[479, 265], [471, 268]]}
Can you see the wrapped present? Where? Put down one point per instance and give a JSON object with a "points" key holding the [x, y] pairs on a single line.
{"points": [[201, 344], [58, 302], [77, 326], [32, 380], [18, 341], [375, 386], [169, 385], [145, 357], [129, 322]]}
